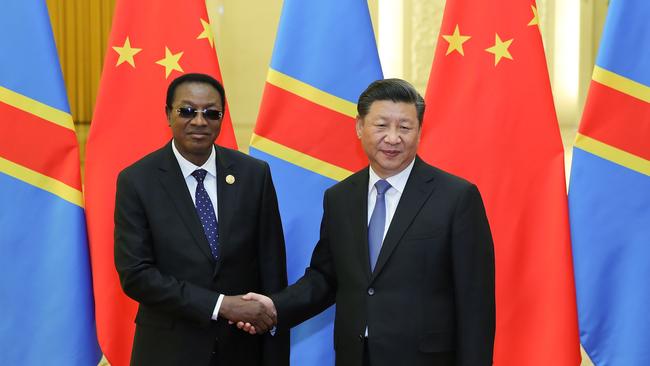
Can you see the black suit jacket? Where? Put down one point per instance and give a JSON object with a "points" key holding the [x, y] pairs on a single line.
{"points": [[164, 261], [429, 301]]}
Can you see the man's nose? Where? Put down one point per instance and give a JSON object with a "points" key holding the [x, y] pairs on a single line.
{"points": [[392, 136], [199, 119]]}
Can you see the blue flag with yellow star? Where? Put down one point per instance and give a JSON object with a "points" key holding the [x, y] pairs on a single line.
{"points": [[306, 132], [609, 194], [46, 291]]}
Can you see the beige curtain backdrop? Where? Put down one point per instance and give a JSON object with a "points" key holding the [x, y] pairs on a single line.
{"points": [[81, 29]]}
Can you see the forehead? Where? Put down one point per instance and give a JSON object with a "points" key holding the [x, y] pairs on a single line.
{"points": [[388, 108], [196, 92]]}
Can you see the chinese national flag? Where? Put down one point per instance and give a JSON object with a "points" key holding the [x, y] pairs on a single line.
{"points": [[490, 118], [151, 43]]}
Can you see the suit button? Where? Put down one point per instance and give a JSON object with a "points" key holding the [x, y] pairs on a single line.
{"points": [[361, 337], [371, 291]]}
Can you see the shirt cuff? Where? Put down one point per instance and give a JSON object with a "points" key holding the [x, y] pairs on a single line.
{"points": [[215, 313]]}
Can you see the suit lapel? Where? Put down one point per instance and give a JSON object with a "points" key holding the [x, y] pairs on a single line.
{"points": [[174, 184], [359, 216], [416, 192], [227, 198]]}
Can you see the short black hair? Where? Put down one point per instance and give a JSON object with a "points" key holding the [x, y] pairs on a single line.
{"points": [[396, 90], [194, 78]]}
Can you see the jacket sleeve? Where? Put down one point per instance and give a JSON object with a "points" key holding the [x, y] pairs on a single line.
{"points": [[473, 271], [315, 291]]}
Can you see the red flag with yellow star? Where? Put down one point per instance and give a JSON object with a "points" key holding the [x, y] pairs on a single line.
{"points": [[490, 118], [151, 43]]}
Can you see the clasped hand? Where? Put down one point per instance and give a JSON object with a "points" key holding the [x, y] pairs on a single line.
{"points": [[253, 313]]}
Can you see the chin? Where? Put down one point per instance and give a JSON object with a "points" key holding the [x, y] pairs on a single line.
{"points": [[199, 149], [390, 165], [393, 169]]}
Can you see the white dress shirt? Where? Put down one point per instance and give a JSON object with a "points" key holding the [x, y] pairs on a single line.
{"points": [[210, 184], [392, 195]]}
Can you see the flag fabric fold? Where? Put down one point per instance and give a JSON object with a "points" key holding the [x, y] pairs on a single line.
{"points": [[490, 118], [609, 194], [46, 293], [325, 55], [151, 43]]}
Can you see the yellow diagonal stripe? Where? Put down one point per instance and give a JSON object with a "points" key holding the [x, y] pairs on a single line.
{"points": [[622, 84], [613, 154], [36, 108], [41, 181], [300, 159], [312, 94]]}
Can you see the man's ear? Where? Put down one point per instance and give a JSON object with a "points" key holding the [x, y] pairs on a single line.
{"points": [[168, 113], [359, 126]]}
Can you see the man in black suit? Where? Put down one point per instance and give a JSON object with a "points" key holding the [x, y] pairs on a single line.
{"points": [[195, 224], [405, 252]]}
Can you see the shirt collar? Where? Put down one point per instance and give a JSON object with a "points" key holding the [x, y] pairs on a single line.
{"points": [[397, 181], [187, 167]]}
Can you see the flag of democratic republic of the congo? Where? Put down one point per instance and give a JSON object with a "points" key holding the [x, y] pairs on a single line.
{"points": [[609, 194], [325, 55], [46, 302]]}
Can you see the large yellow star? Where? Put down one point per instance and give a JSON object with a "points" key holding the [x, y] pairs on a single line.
{"points": [[126, 53], [207, 33], [500, 49], [170, 62], [535, 20], [455, 41]]}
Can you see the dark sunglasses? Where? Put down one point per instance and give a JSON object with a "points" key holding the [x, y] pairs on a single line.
{"points": [[190, 112]]}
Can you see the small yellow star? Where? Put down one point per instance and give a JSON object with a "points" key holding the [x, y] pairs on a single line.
{"points": [[500, 49], [170, 62], [535, 20], [455, 41], [126, 53], [207, 33]]}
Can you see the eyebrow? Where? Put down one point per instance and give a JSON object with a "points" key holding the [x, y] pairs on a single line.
{"points": [[384, 118], [192, 103]]}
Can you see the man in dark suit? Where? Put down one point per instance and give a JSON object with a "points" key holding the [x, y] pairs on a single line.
{"points": [[405, 252], [196, 223]]}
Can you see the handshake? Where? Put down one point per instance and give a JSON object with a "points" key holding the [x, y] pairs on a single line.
{"points": [[253, 313]]}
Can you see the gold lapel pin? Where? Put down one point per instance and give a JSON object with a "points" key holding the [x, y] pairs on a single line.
{"points": [[230, 179]]}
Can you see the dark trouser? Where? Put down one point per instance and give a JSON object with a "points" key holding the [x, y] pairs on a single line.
{"points": [[214, 361], [366, 355]]}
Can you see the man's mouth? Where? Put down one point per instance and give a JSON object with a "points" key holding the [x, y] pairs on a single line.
{"points": [[390, 153]]}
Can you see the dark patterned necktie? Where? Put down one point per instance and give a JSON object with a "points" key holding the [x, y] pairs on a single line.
{"points": [[377, 223], [206, 212]]}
